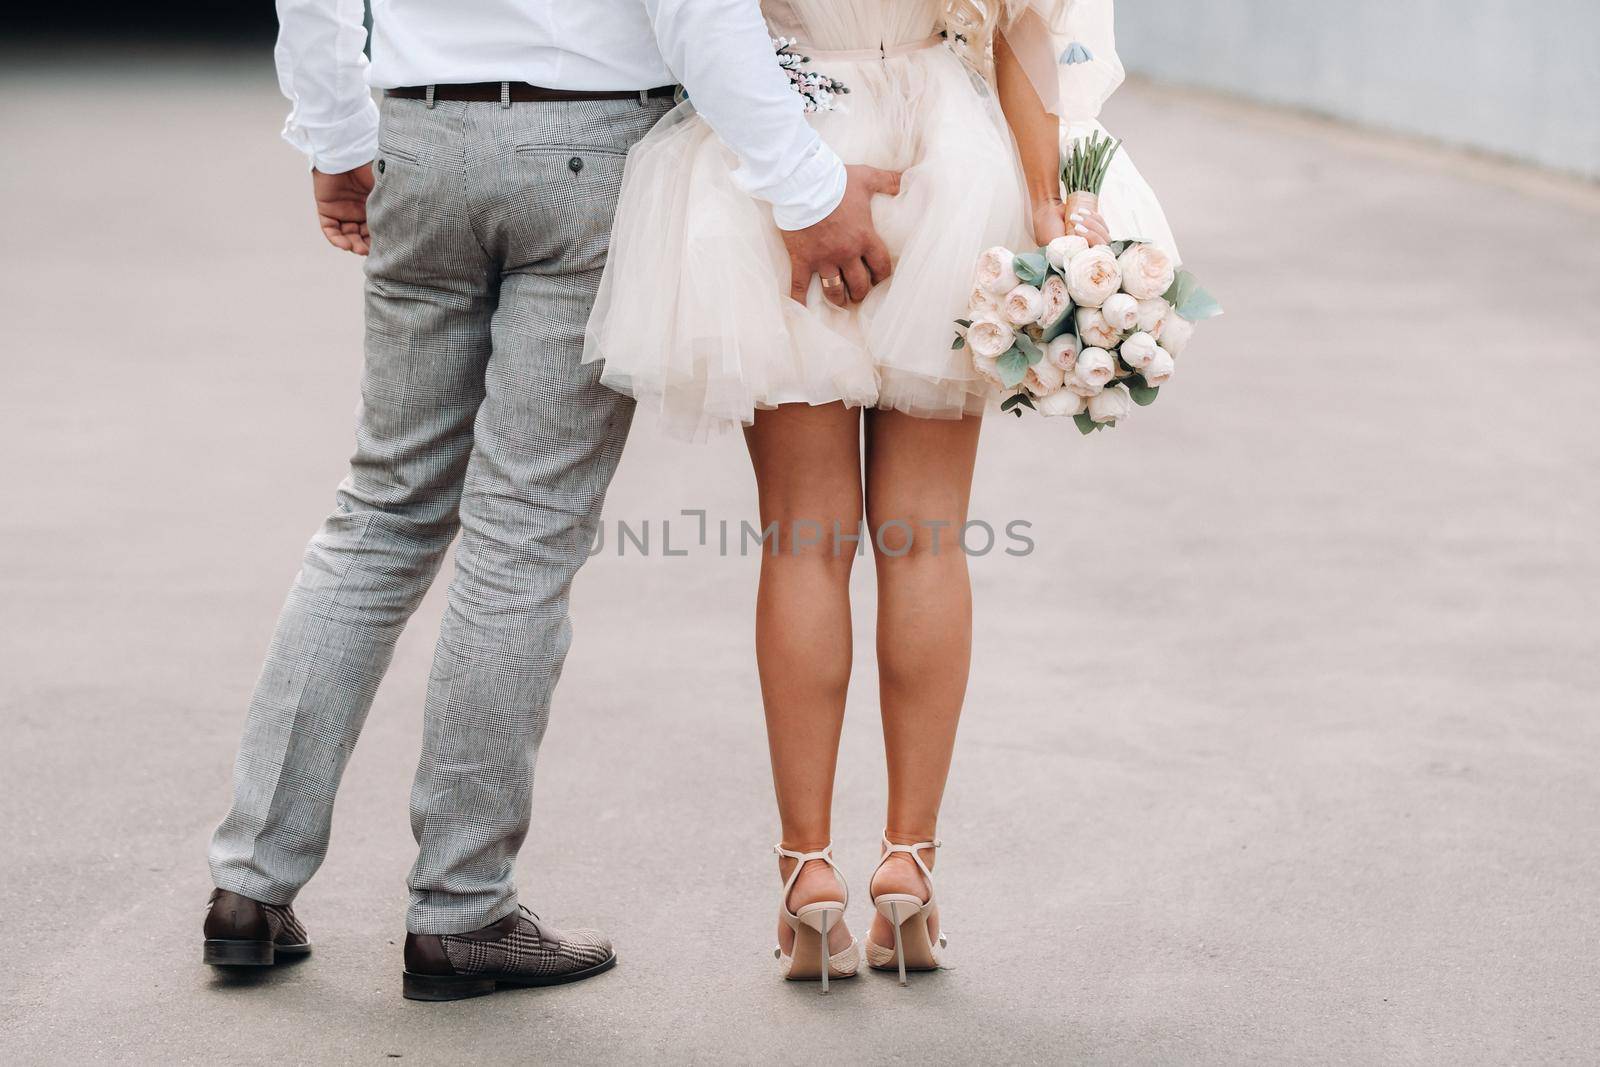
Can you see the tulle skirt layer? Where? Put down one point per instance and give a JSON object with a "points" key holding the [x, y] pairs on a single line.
{"points": [[693, 316]]}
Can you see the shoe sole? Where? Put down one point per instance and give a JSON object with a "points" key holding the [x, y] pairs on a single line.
{"points": [[439, 987], [221, 953]]}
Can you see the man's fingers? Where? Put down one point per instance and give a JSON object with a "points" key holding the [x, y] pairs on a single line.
{"points": [[800, 273], [345, 236], [336, 238], [834, 287], [886, 182], [858, 280], [877, 260]]}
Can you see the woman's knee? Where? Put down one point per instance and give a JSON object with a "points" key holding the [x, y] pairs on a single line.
{"points": [[913, 535], [826, 546]]}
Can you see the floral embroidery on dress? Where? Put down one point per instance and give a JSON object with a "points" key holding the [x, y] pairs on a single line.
{"points": [[817, 90], [1076, 52]]}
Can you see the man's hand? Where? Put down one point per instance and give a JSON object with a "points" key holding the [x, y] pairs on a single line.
{"points": [[844, 247], [342, 207]]}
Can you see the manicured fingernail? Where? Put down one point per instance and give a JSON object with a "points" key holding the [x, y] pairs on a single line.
{"points": [[1075, 218], [1082, 231]]}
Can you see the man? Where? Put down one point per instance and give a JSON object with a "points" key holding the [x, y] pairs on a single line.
{"points": [[484, 195]]}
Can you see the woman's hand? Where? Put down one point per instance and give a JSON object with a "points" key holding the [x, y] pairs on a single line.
{"points": [[1050, 221]]}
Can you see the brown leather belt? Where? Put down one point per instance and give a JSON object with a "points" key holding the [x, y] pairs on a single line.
{"points": [[522, 93]]}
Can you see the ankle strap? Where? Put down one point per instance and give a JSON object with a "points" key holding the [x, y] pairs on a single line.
{"points": [[826, 856], [914, 851]]}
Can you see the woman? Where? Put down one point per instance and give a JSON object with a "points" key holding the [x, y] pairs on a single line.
{"points": [[966, 98]]}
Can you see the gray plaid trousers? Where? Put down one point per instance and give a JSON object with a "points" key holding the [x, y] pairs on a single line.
{"points": [[489, 229]]}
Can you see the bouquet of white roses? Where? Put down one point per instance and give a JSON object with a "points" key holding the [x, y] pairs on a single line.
{"points": [[1080, 331]]}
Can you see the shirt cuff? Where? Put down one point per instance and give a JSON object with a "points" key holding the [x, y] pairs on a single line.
{"points": [[341, 146], [811, 192]]}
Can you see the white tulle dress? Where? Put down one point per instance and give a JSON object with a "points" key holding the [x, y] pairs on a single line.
{"points": [[693, 315]]}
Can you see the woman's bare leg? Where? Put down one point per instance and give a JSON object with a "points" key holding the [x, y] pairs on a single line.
{"points": [[808, 475], [918, 483]]}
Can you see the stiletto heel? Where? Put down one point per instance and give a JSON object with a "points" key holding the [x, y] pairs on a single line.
{"points": [[814, 921], [899, 941], [915, 948], [822, 950]]}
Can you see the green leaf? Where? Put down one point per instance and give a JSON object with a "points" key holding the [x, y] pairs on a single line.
{"points": [[1017, 401], [1199, 306], [1086, 425], [963, 323], [959, 343], [1183, 287], [1013, 367], [1031, 267], [1143, 395], [1029, 348], [1119, 247]]}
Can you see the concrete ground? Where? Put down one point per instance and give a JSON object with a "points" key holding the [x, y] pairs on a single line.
{"points": [[1281, 747]]}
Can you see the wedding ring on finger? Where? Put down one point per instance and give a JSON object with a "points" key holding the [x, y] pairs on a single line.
{"points": [[833, 287]]}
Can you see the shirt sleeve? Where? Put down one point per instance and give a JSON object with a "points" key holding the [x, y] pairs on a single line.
{"points": [[322, 69], [721, 51]]}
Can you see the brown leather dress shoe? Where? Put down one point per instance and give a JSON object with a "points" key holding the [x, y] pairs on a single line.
{"points": [[241, 932], [519, 950]]}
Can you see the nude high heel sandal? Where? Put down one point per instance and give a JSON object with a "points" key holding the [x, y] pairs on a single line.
{"points": [[914, 949], [810, 960]]}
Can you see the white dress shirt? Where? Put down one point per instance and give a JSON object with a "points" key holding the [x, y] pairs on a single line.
{"points": [[718, 49]]}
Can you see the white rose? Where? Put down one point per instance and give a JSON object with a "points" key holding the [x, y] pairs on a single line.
{"points": [[995, 273], [1043, 378], [1094, 331], [1153, 316], [1063, 351], [1159, 369], [1094, 369], [1138, 350], [988, 367], [982, 304], [1093, 276], [990, 338], [1060, 251], [1061, 402], [1111, 404], [1056, 300], [1175, 333], [1147, 271], [1121, 312], [1022, 305]]}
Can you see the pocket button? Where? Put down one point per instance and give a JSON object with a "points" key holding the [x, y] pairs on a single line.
{"points": [[380, 166], [575, 164]]}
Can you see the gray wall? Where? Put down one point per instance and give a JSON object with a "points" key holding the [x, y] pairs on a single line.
{"points": [[1519, 78]]}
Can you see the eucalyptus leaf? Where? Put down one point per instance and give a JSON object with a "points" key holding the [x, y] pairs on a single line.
{"points": [[1086, 425], [1013, 367], [1031, 267], [1183, 287], [958, 344], [1142, 394], [1199, 306], [1029, 348], [1016, 402], [963, 322], [1119, 247]]}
